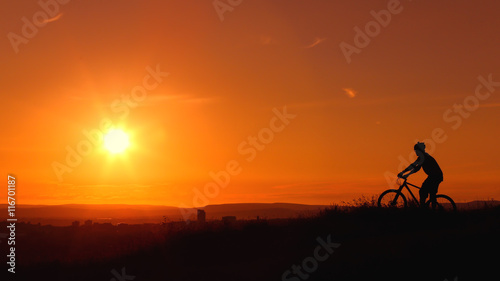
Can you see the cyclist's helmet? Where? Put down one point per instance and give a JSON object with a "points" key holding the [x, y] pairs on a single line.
{"points": [[419, 146]]}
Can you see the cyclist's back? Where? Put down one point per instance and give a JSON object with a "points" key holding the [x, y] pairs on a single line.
{"points": [[430, 166]]}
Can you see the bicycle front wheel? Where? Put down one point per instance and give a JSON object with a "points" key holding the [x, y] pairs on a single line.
{"points": [[443, 203], [392, 198]]}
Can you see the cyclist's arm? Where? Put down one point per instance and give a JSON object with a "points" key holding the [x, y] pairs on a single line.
{"points": [[413, 168]]}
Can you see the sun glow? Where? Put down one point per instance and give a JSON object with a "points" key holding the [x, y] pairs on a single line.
{"points": [[116, 141]]}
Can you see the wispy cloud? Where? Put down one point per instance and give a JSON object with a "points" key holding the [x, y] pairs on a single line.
{"points": [[267, 40], [316, 42], [340, 101], [165, 98], [54, 18], [313, 103], [303, 184], [186, 98], [199, 100], [350, 92]]}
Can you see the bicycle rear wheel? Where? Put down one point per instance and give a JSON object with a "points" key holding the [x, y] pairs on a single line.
{"points": [[443, 203], [392, 198]]}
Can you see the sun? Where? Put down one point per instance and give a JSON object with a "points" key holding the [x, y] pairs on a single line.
{"points": [[116, 141]]}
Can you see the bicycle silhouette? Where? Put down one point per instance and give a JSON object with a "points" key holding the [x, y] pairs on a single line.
{"points": [[395, 198]]}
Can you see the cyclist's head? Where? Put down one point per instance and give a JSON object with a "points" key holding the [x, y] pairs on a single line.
{"points": [[420, 146]]}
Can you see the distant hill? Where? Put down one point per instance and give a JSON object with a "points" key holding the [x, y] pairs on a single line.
{"points": [[65, 214], [263, 210], [118, 213], [478, 204], [137, 214]]}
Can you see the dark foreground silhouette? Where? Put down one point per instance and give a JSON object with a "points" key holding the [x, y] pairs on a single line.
{"points": [[366, 243]]}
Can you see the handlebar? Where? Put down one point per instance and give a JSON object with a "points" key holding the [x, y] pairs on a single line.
{"points": [[398, 180]]}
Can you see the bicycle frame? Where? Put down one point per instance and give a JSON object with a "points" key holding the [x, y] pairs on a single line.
{"points": [[405, 184]]}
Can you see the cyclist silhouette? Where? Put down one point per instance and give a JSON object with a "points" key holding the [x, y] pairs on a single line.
{"points": [[431, 168]]}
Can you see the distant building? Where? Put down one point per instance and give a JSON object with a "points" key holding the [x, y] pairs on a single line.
{"points": [[106, 225], [75, 224], [229, 219], [201, 216], [88, 223]]}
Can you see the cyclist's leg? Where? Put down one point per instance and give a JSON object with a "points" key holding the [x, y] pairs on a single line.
{"points": [[432, 198], [424, 191], [434, 185]]}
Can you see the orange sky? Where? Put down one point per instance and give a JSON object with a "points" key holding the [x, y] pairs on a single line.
{"points": [[353, 123]]}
